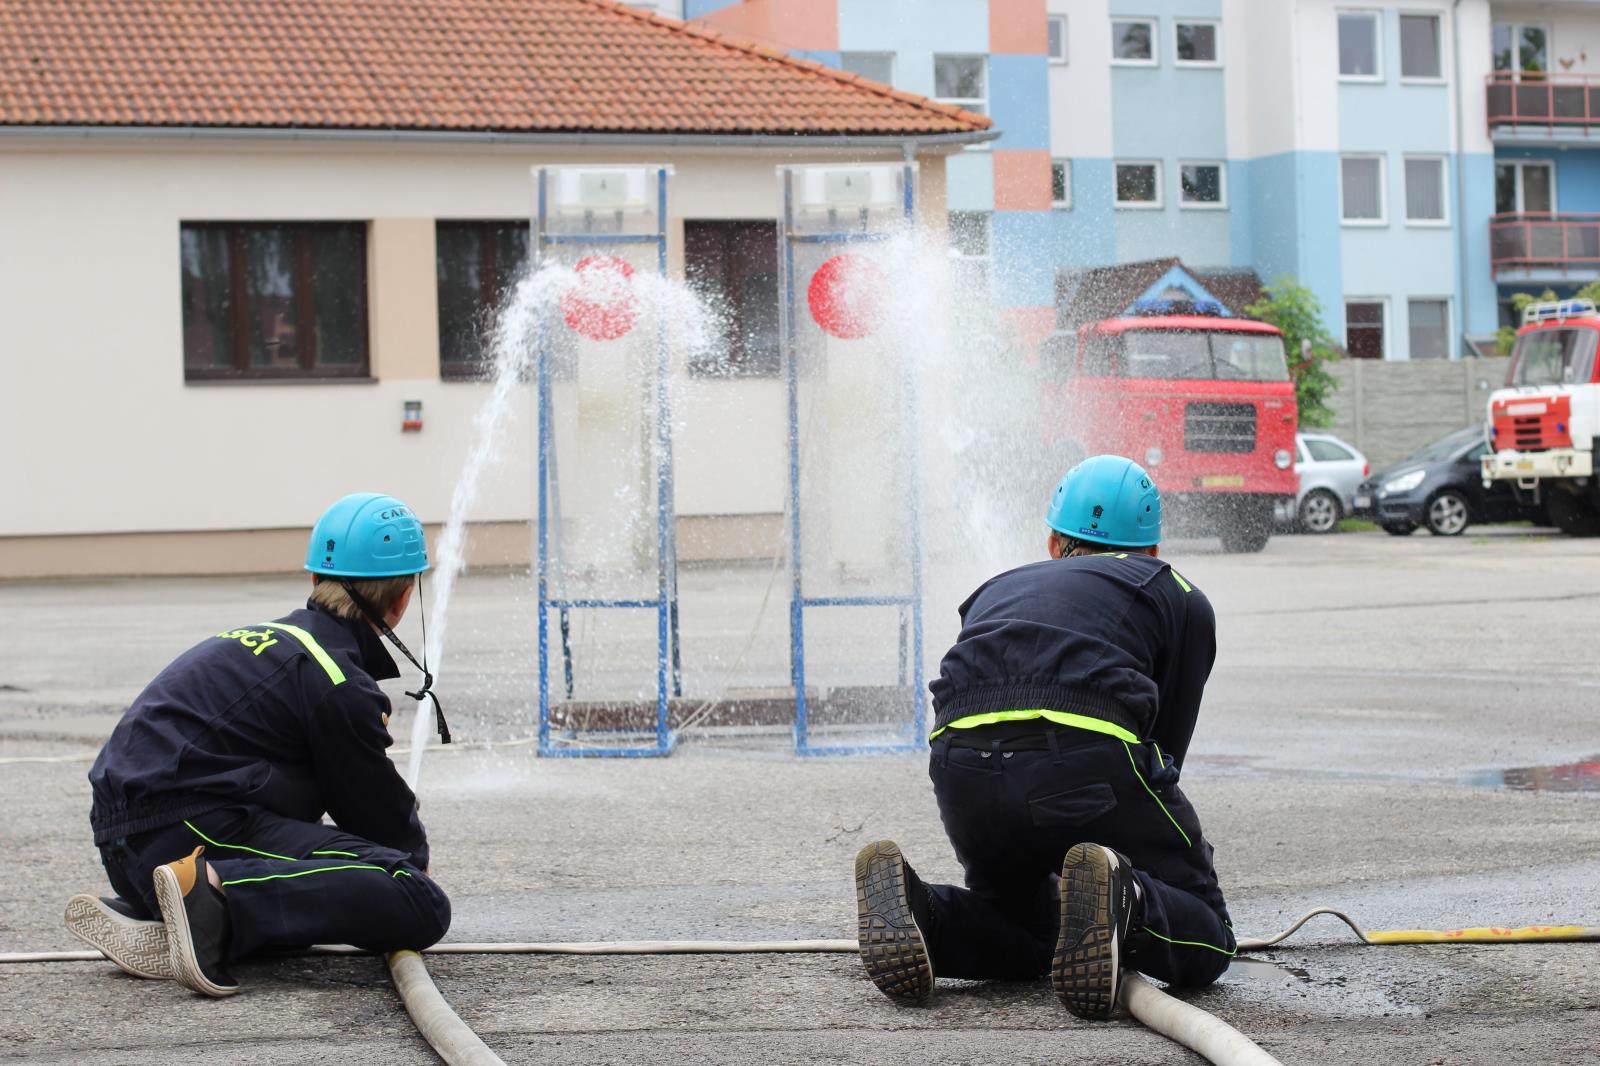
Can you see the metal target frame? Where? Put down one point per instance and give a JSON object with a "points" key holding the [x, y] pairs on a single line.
{"points": [[669, 673], [790, 236]]}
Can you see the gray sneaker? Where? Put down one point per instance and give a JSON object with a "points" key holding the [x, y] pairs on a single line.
{"points": [[1099, 911], [112, 927], [889, 934]]}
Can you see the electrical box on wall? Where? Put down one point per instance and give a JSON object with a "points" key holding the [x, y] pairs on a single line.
{"points": [[411, 420]]}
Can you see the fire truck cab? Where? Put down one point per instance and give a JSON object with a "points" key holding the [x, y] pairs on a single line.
{"points": [[1542, 424], [1201, 398]]}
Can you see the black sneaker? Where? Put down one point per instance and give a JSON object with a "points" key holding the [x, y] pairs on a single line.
{"points": [[889, 934], [114, 928], [196, 918], [1099, 910]]}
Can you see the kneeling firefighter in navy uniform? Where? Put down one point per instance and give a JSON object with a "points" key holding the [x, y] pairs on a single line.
{"points": [[208, 798], [1062, 716]]}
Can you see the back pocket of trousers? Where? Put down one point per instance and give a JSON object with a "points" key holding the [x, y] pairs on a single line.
{"points": [[1074, 806]]}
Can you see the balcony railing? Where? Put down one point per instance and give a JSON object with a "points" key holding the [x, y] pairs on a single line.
{"points": [[1548, 103], [1540, 243]]}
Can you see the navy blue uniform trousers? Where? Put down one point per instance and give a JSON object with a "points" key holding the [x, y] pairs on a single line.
{"points": [[290, 883], [1012, 814]]}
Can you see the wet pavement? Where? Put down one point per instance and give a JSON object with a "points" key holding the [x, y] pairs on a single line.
{"points": [[1402, 728]]}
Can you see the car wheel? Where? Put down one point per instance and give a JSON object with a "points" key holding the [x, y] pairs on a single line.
{"points": [[1448, 514], [1399, 529], [1247, 530], [1320, 511]]}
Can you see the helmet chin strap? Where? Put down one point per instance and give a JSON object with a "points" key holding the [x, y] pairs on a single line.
{"points": [[376, 619]]}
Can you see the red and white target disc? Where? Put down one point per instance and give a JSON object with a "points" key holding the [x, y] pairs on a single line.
{"points": [[602, 305], [846, 296]]}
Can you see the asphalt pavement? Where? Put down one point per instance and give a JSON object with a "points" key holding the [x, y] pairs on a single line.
{"points": [[1385, 732]]}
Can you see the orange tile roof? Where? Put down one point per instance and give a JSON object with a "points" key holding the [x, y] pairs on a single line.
{"points": [[463, 65]]}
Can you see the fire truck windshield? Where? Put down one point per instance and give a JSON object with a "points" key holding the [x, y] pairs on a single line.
{"points": [[1554, 357], [1213, 354]]}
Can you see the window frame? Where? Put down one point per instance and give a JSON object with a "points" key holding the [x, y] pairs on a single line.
{"points": [[1376, 17], [1221, 203], [1061, 60], [1064, 204], [739, 362], [239, 308], [1448, 319], [1137, 205], [1443, 221], [1441, 78], [1383, 191], [1516, 51], [966, 102], [481, 368], [1383, 324], [1197, 64], [983, 264], [892, 57], [1155, 41], [1519, 165]]}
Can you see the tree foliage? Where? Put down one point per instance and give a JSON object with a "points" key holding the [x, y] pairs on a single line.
{"points": [[1294, 309], [1506, 336]]}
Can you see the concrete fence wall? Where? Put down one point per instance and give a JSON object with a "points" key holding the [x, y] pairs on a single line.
{"points": [[1389, 409]]}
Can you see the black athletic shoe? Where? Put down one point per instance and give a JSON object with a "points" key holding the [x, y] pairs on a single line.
{"points": [[889, 933], [1099, 911], [115, 929], [196, 917]]}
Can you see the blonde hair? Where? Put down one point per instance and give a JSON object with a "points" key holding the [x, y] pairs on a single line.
{"points": [[380, 592]]}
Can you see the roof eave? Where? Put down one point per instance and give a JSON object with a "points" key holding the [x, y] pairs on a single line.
{"points": [[908, 141]]}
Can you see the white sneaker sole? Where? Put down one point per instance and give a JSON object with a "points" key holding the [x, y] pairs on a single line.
{"points": [[138, 948], [180, 941]]}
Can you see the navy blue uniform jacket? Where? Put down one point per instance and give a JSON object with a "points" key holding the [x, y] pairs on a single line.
{"points": [[285, 715], [1118, 637]]}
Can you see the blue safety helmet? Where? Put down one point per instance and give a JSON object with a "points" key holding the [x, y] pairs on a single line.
{"points": [[1108, 500], [366, 535]]}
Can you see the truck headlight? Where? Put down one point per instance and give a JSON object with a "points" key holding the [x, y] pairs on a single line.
{"points": [[1281, 459], [1405, 482], [1152, 457]]}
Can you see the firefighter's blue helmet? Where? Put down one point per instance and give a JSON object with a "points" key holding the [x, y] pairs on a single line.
{"points": [[1110, 500], [366, 535]]}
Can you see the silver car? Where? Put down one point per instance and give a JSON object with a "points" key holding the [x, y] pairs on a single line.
{"points": [[1329, 471]]}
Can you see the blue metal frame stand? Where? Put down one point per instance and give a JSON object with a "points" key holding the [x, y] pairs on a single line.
{"points": [[910, 604], [665, 602]]}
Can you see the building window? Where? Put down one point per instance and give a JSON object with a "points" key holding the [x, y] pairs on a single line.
{"points": [[962, 81], [1361, 190], [476, 262], [1359, 56], [1428, 323], [1196, 44], [1419, 47], [1060, 183], [1521, 48], [969, 254], [1363, 328], [1425, 192], [733, 267], [274, 299], [1139, 184], [1524, 188], [1202, 185], [1133, 42], [1056, 37], [874, 66]]}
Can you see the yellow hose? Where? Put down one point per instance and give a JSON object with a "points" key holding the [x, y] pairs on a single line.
{"points": [[1485, 935]]}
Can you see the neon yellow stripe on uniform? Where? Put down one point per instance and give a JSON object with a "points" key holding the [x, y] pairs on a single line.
{"points": [[302, 873], [1181, 582], [1163, 806], [237, 847], [1076, 721], [335, 674], [1193, 943]]}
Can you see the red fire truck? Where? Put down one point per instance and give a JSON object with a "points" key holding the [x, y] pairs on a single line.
{"points": [[1542, 425], [1201, 398]]}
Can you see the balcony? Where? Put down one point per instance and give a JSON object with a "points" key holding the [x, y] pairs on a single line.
{"points": [[1548, 248], [1560, 109]]}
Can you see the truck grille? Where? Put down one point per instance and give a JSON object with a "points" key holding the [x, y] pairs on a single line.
{"points": [[1533, 433], [1219, 427]]}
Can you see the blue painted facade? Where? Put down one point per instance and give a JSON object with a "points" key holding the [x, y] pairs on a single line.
{"points": [[1281, 214]]}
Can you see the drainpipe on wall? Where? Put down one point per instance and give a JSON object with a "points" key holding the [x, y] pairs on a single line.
{"points": [[1461, 176]]}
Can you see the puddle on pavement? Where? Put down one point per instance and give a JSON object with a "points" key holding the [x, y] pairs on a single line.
{"points": [[1262, 970], [1568, 777]]}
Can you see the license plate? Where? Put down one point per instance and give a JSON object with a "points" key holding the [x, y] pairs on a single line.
{"points": [[1223, 481], [1525, 464], [1363, 501]]}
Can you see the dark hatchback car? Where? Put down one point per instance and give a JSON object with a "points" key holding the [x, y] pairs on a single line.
{"points": [[1440, 487]]}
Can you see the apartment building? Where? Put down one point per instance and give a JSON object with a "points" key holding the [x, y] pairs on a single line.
{"points": [[1414, 163]]}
